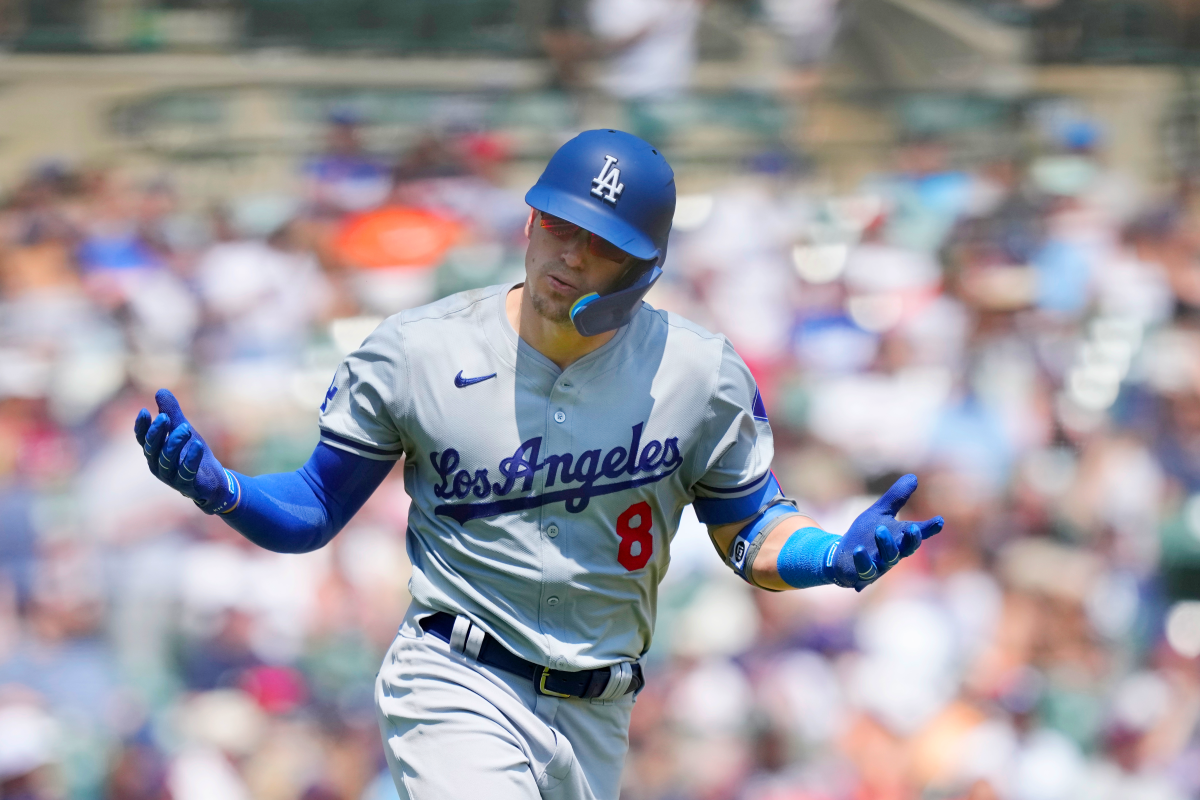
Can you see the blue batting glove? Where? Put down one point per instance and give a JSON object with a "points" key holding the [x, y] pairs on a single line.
{"points": [[877, 540], [180, 458]]}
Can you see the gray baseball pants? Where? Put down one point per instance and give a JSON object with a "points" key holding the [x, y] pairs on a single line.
{"points": [[456, 729]]}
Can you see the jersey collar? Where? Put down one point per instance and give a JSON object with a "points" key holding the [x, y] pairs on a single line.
{"points": [[518, 348]]}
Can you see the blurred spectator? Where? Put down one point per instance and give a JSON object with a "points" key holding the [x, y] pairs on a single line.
{"points": [[648, 49], [344, 177], [138, 772], [567, 41], [808, 28], [261, 291], [649, 45], [29, 740]]}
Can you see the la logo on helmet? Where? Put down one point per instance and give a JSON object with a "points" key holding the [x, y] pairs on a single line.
{"points": [[607, 185]]}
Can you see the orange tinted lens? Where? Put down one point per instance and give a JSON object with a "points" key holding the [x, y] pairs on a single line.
{"points": [[605, 249], [558, 227], [564, 230]]}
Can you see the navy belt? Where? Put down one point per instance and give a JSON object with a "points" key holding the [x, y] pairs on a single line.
{"points": [[606, 682]]}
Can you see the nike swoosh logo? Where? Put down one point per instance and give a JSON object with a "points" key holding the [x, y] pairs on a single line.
{"points": [[462, 382]]}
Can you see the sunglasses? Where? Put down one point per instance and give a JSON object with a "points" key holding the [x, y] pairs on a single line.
{"points": [[565, 231]]}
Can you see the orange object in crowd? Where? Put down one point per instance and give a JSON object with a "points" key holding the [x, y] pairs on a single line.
{"points": [[396, 236]]}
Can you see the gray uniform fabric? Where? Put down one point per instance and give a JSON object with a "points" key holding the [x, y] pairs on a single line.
{"points": [[455, 728], [544, 502], [498, 530]]}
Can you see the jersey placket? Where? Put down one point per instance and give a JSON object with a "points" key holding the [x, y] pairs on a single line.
{"points": [[561, 423]]}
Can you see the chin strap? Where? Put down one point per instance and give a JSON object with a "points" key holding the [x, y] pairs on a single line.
{"points": [[594, 314]]}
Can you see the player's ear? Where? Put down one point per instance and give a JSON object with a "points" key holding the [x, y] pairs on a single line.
{"points": [[529, 223]]}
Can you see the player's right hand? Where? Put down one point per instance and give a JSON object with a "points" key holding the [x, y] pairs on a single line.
{"points": [[877, 540], [179, 457]]}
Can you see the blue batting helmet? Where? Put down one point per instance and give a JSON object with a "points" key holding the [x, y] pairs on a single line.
{"points": [[620, 188]]}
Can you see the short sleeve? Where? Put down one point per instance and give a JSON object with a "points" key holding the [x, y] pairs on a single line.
{"points": [[736, 482], [365, 405]]}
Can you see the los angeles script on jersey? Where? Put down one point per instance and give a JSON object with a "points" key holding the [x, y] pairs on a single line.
{"points": [[656, 459]]}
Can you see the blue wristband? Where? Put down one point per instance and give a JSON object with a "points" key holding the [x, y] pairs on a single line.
{"points": [[802, 560]]}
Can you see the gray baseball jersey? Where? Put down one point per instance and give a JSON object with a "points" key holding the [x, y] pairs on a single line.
{"points": [[544, 501]]}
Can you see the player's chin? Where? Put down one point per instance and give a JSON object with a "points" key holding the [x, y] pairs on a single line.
{"points": [[554, 309]]}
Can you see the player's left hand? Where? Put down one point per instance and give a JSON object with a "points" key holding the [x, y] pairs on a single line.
{"points": [[877, 540], [179, 457]]}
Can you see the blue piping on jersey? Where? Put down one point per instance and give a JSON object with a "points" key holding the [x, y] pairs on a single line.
{"points": [[358, 445], [736, 489], [576, 499]]}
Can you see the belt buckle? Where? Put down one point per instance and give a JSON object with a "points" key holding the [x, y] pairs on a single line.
{"points": [[541, 685]]}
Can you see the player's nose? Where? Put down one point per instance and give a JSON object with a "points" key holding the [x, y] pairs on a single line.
{"points": [[573, 253]]}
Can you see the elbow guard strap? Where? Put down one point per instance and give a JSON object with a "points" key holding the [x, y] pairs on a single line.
{"points": [[749, 540]]}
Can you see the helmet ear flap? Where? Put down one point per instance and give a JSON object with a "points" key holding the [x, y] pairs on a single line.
{"points": [[594, 314], [637, 269]]}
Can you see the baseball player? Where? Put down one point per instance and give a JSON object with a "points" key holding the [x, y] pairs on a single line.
{"points": [[552, 432]]}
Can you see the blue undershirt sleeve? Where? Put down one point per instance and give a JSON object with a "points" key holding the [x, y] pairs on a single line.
{"points": [[298, 512]]}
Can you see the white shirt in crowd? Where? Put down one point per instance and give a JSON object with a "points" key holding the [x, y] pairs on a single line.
{"points": [[659, 62]]}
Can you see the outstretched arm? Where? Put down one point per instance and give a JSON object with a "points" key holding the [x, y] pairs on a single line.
{"points": [[287, 512], [783, 549]]}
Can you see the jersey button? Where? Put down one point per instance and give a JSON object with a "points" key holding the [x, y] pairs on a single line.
{"points": [[552, 531], [551, 600], [560, 416]]}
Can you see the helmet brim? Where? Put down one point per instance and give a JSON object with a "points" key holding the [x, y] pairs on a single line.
{"points": [[590, 214]]}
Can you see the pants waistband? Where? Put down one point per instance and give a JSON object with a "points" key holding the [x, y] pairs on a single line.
{"points": [[606, 683]]}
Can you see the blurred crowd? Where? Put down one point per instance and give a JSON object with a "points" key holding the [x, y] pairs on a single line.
{"points": [[1022, 331], [1024, 334], [146, 651]]}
